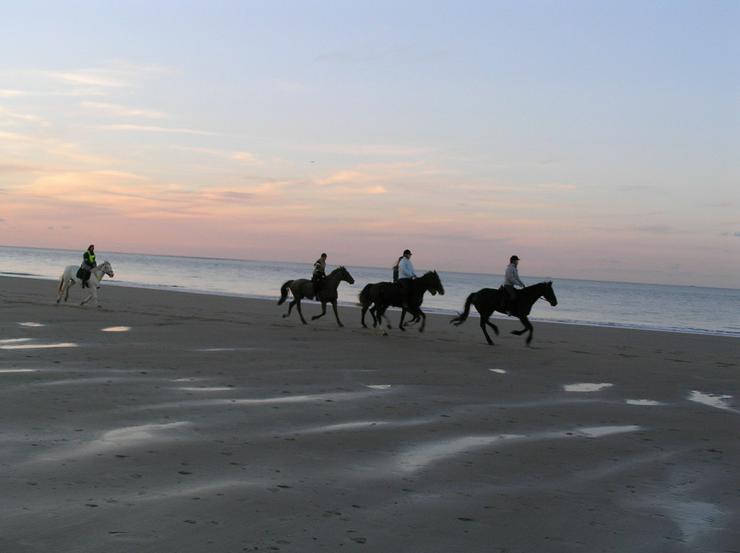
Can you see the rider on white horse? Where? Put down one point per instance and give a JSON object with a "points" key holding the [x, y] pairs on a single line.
{"points": [[88, 264]]}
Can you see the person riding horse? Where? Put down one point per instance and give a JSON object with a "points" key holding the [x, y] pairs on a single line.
{"points": [[319, 273], [88, 264], [405, 275], [511, 279]]}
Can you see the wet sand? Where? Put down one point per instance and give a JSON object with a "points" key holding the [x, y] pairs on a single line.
{"points": [[171, 422]]}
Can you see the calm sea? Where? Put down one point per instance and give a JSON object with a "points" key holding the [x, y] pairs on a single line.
{"points": [[617, 304]]}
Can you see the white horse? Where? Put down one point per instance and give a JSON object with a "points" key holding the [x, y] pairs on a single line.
{"points": [[69, 279]]}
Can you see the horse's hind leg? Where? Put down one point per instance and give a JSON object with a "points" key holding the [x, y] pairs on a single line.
{"points": [[323, 312], [336, 314], [70, 283], [300, 313], [290, 308], [489, 323], [527, 328], [485, 331]]}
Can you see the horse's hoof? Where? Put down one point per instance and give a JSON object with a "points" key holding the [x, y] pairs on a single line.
{"points": [[341, 325], [284, 316]]}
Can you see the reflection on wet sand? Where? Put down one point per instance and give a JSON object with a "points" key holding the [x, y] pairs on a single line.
{"points": [[421, 456], [587, 386], [39, 346], [712, 400], [116, 329], [126, 437]]}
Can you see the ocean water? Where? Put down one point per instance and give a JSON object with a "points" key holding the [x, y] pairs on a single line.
{"points": [[643, 306]]}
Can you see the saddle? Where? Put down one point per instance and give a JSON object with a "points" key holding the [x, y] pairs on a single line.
{"points": [[83, 273], [505, 303]]}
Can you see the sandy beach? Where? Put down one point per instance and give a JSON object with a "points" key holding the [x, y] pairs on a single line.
{"points": [[170, 422]]}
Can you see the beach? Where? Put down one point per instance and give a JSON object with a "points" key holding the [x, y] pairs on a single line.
{"points": [[175, 422]]}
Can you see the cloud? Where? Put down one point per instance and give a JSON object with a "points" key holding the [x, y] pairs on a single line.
{"points": [[370, 150], [95, 78], [346, 177], [25, 117], [245, 157], [656, 229], [154, 129], [116, 110], [7, 93]]}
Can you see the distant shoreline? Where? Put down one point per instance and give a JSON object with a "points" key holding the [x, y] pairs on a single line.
{"points": [[283, 261]]}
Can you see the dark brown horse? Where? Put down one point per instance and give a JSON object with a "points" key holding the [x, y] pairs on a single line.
{"points": [[303, 288], [382, 295], [488, 300]]}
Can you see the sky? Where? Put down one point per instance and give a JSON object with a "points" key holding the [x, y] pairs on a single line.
{"points": [[593, 139]]}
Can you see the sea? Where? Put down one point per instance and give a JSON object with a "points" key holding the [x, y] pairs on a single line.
{"points": [[655, 307]]}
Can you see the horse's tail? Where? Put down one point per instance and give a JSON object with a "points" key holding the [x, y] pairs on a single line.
{"points": [[460, 319], [284, 292], [365, 295]]}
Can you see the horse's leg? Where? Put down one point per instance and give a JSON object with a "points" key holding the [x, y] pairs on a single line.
{"points": [[486, 317], [290, 307], [69, 285], [336, 314], [362, 318], [527, 327], [60, 289], [300, 313], [485, 331], [94, 294], [323, 311], [423, 321], [400, 322]]}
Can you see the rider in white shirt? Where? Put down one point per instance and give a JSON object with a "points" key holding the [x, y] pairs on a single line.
{"points": [[405, 275], [511, 280]]}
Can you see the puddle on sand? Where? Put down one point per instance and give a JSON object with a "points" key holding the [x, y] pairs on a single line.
{"points": [[600, 431], [642, 402], [212, 350], [205, 389], [498, 371], [379, 386], [31, 324], [39, 346], [587, 386], [116, 329], [3, 371], [716, 401]]}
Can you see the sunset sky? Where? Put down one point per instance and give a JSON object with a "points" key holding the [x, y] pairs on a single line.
{"points": [[593, 139]]}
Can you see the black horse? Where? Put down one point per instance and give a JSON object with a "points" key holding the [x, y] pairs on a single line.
{"points": [[382, 295], [304, 288], [488, 300]]}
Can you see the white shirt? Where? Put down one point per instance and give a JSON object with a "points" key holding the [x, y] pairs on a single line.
{"points": [[405, 269], [512, 276]]}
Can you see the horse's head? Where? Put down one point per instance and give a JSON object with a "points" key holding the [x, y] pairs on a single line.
{"points": [[345, 276], [549, 293], [435, 284], [107, 269]]}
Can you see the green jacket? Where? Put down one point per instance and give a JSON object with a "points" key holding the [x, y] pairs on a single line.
{"points": [[89, 259]]}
